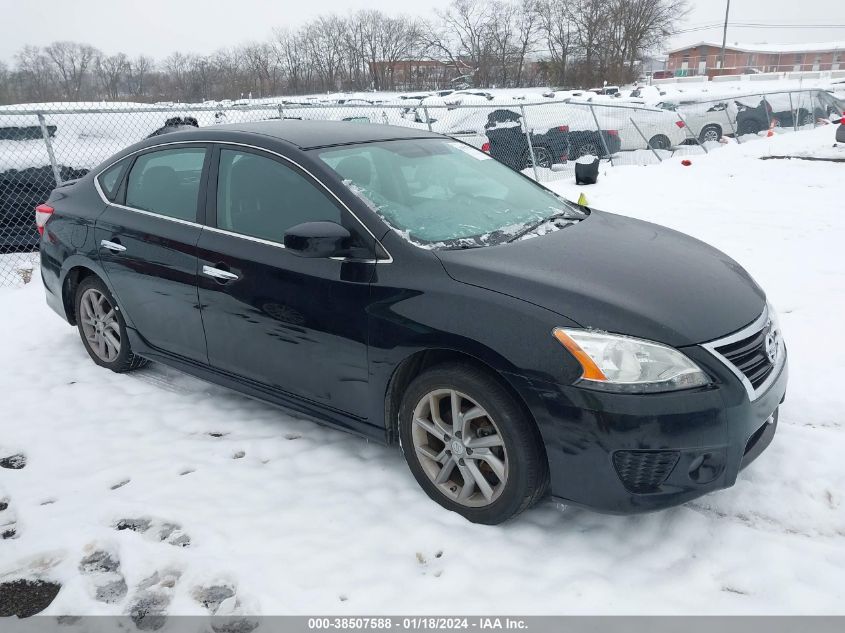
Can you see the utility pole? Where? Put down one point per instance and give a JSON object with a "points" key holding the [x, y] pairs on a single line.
{"points": [[724, 39]]}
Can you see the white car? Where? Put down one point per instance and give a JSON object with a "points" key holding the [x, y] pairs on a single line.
{"points": [[639, 127], [707, 120]]}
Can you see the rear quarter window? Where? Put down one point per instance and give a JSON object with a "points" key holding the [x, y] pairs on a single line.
{"points": [[111, 178]]}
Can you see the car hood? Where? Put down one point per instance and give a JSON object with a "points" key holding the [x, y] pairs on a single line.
{"points": [[621, 275]]}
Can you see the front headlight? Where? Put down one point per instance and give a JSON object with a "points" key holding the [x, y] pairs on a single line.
{"points": [[612, 362]]}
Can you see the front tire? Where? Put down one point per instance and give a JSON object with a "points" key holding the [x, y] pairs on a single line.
{"points": [[102, 328], [710, 134], [470, 445]]}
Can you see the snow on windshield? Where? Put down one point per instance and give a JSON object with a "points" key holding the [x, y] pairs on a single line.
{"points": [[439, 193]]}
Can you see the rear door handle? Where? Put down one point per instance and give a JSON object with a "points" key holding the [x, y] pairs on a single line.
{"points": [[217, 273], [114, 247]]}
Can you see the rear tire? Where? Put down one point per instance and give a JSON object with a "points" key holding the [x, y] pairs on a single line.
{"points": [[588, 148], [102, 328], [543, 156], [660, 141], [488, 467]]}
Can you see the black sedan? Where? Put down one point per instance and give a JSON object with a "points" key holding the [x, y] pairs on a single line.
{"points": [[406, 287]]}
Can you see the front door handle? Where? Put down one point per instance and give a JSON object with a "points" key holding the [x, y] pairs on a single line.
{"points": [[219, 274], [114, 247]]}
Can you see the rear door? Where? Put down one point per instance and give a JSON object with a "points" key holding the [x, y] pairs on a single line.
{"points": [[148, 247], [293, 324]]}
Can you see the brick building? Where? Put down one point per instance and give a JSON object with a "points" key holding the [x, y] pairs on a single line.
{"points": [[703, 58]]}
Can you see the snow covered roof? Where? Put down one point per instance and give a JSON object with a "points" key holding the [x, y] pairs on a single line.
{"points": [[768, 48]]}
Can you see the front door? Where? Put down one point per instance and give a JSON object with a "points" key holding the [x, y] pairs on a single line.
{"points": [[293, 324], [147, 242]]}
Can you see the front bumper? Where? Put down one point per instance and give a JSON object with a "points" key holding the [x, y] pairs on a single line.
{"points": [[623, 453]]}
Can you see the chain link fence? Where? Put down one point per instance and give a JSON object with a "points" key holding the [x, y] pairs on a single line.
{"points": [[40, 148]]}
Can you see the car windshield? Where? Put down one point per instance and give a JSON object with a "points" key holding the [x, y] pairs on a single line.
{"points": [[439, 193]]}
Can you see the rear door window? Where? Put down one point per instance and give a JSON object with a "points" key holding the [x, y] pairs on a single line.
{"points": [[167, 182]]}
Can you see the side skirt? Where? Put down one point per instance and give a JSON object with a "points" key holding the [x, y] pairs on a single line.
{"points": [[319, 414]]}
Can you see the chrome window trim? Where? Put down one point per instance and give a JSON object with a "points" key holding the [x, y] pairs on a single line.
{"points": [[388, 260], [759, 323]]}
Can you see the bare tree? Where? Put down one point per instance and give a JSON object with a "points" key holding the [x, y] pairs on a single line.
{"points": [[71, 60], [385, 42], [484, 42], [462, 35], [292, 58], [557, 32], [527, 32], [137, 74], [111, 71], [261, 65], [323, 41], [36, 75]]}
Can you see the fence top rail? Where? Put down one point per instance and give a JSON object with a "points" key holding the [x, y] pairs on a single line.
{"points": [[681, 97], [281, 106], [322, 106]]}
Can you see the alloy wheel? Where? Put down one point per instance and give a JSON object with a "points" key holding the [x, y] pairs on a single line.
{"points": [[588, 149], [543, 157], [459, 447], [711, 135], [99, 325]]}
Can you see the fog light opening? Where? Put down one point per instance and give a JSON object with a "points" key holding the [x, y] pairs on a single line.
{"points": [[705, 468]]}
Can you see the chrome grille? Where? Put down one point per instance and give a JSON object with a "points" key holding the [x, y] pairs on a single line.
{"points": [[753, 354]]}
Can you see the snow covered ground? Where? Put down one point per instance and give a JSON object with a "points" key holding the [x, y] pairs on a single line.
{"points": [[159, 489]]}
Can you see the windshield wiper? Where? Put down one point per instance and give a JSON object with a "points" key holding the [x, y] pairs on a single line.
{"points": [[566, 214]]}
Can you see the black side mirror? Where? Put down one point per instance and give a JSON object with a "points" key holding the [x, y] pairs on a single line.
{"points": [[317, 239]]}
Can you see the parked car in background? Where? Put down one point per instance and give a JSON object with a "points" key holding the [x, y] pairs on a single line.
{"points": [[829, 105], [406, 287], [554, 130], [606, 90], [20, 191], [639, 127], [707, 121], [754, 119], [507, 142]]}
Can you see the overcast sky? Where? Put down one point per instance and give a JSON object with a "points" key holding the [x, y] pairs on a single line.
{"points": [[162, 26]]}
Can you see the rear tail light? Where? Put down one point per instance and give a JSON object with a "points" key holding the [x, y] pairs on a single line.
{"points": [[485, 148], [680, 124], [612, 132], [42, 214], [562, 128]]}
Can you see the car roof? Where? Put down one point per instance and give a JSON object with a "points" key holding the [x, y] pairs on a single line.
{"points": [[311, 134]]}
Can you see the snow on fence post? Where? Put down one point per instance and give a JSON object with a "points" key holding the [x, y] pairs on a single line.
{"points": [[647, 142], [792, 111], [530, 144], [731, 124], [281, 109], [45, 133], [601, 136], [766, 107], [427, 118]]}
